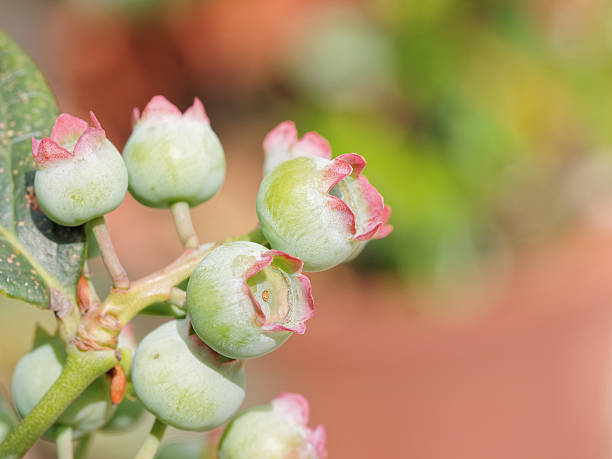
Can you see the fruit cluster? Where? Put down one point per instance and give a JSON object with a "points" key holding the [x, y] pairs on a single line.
{"points": [[244, 300]]}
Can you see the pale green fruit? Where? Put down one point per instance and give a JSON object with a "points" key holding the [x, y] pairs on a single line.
{"points": [[173, 157], [245, 300], [275, 431], [322, 211], [183, 382], [80, 174]]}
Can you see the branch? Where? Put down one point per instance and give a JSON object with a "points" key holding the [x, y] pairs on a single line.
{"points": [[80, 370]]}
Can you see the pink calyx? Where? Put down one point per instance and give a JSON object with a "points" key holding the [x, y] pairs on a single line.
{"points": [[352, 164], [67, 129], [70, 136], [296, 407], [46, 151], [290, 265], [282, 144], [159, 107]]}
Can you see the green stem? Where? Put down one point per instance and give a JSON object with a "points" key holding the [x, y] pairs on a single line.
{"points": [[184, 225], [80, 370], [109, 256], [159, 286], [155, 287], [152, 442], [82, 449], [63, 443]]}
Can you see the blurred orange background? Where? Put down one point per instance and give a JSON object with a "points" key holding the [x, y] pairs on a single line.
{"points": [[482, 328]]}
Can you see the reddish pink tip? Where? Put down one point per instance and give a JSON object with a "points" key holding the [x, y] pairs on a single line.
{"points": [[318, 439], [159, 105], [282, 137], [292, 266], [343, 212], [377, 214], [385, 229], [135, 116], [67, 129], [89, 141], [47, 151], [357, 162], [94, 120], [372, 217], [296, 407], [338, 170], [197, 111], [312, 144]]}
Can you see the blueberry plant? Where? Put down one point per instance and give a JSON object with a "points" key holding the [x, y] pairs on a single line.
{"points": [[228, 301]]}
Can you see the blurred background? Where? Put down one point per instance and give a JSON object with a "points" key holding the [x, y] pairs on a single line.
{"points": [[482, 326]]}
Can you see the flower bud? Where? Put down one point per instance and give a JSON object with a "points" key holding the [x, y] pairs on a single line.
{"points": [[318, 209], [173, 157], [245, 300], [80, 174], [35, 374], [275, 431], [183, 382]]}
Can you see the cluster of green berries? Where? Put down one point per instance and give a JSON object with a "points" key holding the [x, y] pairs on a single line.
{"points": [[244, 299]]}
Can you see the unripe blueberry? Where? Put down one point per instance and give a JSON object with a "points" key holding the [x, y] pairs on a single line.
{"points": [[173, 157], [35, 374], [183, 382], [275, 431], [80, 174], [245, 300], [320, 210]]}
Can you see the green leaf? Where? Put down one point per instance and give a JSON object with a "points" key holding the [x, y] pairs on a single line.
{"points": [[40, 262]]}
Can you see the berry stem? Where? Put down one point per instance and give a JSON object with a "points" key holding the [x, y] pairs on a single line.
{"points": [[109, 256], [152, 442], [63, 443], [80, 370], [184, 225]]}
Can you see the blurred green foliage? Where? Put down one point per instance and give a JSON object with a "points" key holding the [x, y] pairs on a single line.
{"points": [[469, 99]]}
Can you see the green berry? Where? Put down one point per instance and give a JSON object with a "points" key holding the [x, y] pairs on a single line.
{"points": [[173, 157], [245, 300], [80, 174], [183, 382]]}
